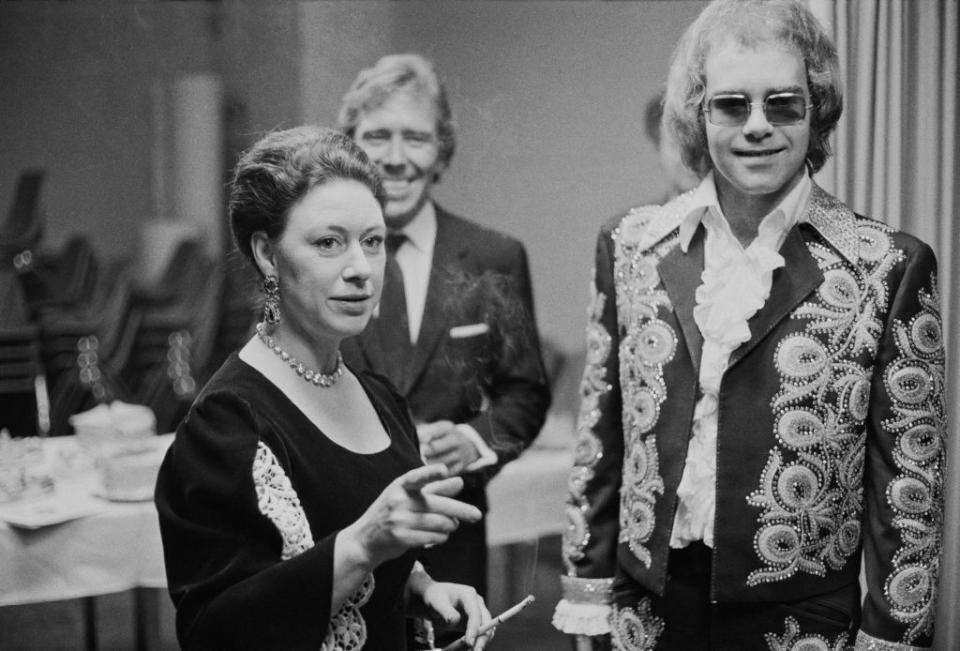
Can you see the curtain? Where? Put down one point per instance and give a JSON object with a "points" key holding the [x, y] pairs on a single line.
{"points": [[896, 152]]}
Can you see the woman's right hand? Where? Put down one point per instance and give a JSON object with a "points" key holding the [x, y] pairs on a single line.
{"points": [[417, 509]]}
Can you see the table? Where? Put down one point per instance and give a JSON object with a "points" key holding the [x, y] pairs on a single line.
{"points": [[527, 498], [115, 549]]}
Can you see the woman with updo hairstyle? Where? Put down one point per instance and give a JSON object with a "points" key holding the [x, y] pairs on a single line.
{"points": [[293, 500]]}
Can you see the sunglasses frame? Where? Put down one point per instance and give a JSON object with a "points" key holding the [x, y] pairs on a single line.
{"points": [[706, 108]]}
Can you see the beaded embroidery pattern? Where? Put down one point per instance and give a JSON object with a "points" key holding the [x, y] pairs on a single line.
{"points": [[636, 279], [811, 487], [635, 629], [915, 381], [811, 492], [588, 448], [647, 343], [794, 640], [278, 501]]}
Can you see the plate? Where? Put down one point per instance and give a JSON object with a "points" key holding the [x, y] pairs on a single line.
{"points": [[141, 495], [53, 509]]}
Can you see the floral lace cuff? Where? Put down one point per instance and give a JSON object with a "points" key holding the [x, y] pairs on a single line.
{"points": [[347, 628], [585, 607]]}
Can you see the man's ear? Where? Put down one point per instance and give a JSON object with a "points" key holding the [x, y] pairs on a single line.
{"points": [[263, 254], [439, 170]]}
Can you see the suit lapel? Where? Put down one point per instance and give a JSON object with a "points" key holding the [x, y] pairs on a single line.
{"points": [[801, 275], [681, 273], [791, 284], [448, 253]]}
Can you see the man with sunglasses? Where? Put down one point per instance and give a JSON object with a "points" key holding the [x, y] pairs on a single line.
{"points": [[763, 404]]}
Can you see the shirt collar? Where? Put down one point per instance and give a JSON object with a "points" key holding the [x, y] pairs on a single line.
{"points": [[793, 208], [422, 229]]}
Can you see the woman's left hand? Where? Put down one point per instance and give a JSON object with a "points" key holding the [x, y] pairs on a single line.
{"points": [[451, 601]]}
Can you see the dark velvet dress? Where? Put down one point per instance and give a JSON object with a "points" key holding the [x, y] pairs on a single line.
{"points": [[251, 496]]}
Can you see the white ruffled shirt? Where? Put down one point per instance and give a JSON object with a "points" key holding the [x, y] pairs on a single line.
{"points": [[735, 285]]}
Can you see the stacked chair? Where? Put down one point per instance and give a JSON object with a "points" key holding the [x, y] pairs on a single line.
{"points": [[85, 347], [240, 309], [22, 229], [62, 280], [23, 401], [22, 389], [77, 330], [174, 344]]}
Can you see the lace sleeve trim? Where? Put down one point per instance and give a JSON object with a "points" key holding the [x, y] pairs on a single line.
{"points": [[582, 619], [348, 630], [278, 501]]}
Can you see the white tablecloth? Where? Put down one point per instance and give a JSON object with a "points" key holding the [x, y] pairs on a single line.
{"points": [[118, 548], [526, 499], [115, 549]]}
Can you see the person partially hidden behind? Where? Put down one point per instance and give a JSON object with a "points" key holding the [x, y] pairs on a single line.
{"points": [[678, 176], [763, 403], [293, 501], [455, 332]]}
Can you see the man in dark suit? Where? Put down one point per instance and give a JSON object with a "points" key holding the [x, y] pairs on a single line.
{"points": [[455, 331]]}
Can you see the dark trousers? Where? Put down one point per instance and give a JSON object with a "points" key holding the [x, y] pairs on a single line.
{"points": [[683, 619]]}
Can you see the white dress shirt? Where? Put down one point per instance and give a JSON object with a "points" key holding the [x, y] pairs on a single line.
{"points": [[736, 283], [414, 258]]}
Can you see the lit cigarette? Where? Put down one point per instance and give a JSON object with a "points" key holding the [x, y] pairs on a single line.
{"points": [[461, 643]]}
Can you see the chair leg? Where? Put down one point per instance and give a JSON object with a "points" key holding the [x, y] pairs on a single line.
{"points": [[146, 623], [89, 623]]}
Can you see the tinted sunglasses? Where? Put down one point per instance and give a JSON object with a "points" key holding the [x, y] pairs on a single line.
{"points": [[733, 110]]}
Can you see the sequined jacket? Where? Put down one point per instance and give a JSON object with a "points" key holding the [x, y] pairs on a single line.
{"points": [[831, 433]]}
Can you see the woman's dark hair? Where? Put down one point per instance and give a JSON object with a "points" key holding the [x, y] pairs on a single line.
{"points": [[281, 168]]}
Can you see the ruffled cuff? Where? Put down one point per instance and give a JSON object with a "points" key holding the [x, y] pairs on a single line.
{"points": [[585, 607], [866, 642]]}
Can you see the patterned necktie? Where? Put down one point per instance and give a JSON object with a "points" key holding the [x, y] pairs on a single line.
{"points": [[392, 325]]}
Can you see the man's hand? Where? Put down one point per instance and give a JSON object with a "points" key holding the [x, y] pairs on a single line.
{"points": [[443, 442]]}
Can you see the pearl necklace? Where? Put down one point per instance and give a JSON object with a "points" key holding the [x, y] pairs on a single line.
{"points": [[317, 378]]}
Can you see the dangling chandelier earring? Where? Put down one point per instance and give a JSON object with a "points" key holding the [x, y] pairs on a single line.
{"points": [[271, 317], [271, 306]]}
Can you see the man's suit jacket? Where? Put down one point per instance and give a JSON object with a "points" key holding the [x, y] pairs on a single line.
{"points": [[493, 380], [831, 427]]}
